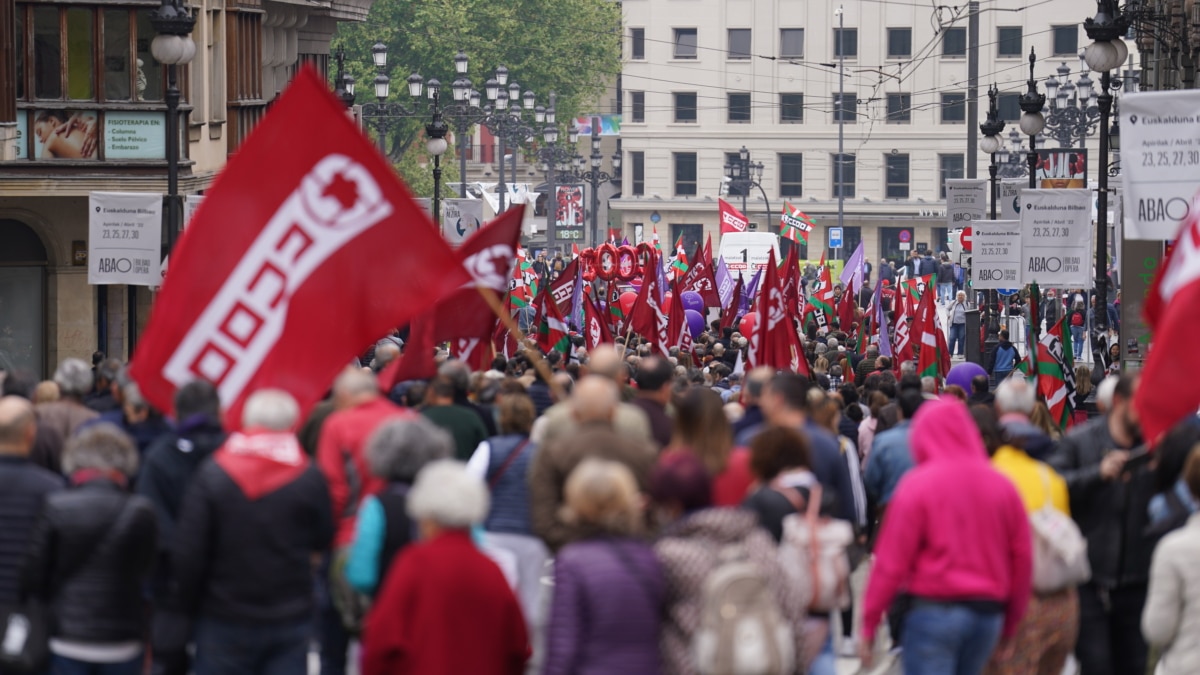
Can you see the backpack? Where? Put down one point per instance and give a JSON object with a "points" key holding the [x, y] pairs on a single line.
{"points": [[813, 551], [1060, 557], [742, 630]]}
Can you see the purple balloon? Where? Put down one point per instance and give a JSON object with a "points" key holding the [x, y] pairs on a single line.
{"points": [[695, 322], [692, 300], [962, 374]]}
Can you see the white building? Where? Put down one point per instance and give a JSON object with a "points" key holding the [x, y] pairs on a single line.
{"points": [[702, 78]]}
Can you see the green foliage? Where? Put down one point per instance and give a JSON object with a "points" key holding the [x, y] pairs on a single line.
{"points": [[416, 169], [571, 47]]}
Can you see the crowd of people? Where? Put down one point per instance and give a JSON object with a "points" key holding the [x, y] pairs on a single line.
{"points": [[617, 511]]}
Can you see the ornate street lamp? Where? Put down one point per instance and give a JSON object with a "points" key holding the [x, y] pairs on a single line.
{"points": [[173, 47], [991, 143], [743, 176], [1032, 122]]}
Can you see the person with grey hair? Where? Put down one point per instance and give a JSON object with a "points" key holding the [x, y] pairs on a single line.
{"points": [[66, 415], [252, 520], [444, 590], [396, 452], [90, 556], [133, 414], [1015, 401]]}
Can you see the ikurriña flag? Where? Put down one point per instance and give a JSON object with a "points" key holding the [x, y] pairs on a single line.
{"points": [[306, 249]]}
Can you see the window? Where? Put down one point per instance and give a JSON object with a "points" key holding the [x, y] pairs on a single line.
{"points": [[846, 164], [951, 167], [685, 173], [1009, 106], [637, 161], [691, 234], [791, 108], [899, 108], [685, 106], [637, 106], [685, 43], [845, 108], [739, 108], [954, 42], [845, 42], [739, 44], [637, 44], [1008, 41], [791, 43], [899, 43], [954, 108], [791, 174], [897, 176], [1066, 40]]}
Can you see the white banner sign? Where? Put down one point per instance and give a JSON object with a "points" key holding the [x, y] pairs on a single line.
{"points": [[1160, 160], [996, 254], [460, 219], [190, 204], [966, 201], [124, 238], [1010, 197], [1056, 237]]}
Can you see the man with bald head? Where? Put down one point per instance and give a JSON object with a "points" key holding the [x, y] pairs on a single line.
{"points": [[628, 420], [23, 487], [593, 408]]}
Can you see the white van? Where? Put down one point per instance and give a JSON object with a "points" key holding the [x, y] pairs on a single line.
{"points": [[747, 252]]}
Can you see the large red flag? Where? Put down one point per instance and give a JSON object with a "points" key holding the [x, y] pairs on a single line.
{"points": [[700, 276], [489, 256], [729, 314], [846, 307], [902, 346], [1169, 390], [305, 250], [732, 220], [562, 289], [647, 316], [925, 325], [595, 331], [678, 333], [775, 343]]}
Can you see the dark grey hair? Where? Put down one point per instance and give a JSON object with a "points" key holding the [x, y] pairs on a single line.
{"points": [[74, 377], [101, 446], [272, 409], [400, 448]]}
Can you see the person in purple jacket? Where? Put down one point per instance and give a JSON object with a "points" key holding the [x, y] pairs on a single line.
{"points": [[608, 587]]}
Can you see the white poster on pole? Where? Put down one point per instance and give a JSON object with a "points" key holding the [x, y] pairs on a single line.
{"points": [[190, 204], [1010, 197], [460, 219], [996, 254], [966, 201], [1160, 160], [124, 238], [1056, 237]]}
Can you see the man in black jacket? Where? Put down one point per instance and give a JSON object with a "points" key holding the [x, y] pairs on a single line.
{"points": [[1110, 490], [23, 488], [252, 521]]}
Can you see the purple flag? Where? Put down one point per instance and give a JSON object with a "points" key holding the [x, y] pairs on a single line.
{"points": [[885, 341], [624, 241], [852, 275], [725, 283], [749, 293], [662, 278]]}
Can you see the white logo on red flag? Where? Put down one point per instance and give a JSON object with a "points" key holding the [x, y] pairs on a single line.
{"points": [[732, 220]]}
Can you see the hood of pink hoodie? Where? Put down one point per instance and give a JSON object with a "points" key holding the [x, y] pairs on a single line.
{"points": [[944, 430]]}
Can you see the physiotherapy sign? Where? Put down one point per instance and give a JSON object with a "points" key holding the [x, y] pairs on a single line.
{"points": [[50, 134]]}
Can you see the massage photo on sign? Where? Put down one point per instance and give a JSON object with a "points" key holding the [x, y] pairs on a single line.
{"points": [[58, 134]]}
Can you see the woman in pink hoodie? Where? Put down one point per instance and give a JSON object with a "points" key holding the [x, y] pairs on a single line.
{"points": [[956, 539]]}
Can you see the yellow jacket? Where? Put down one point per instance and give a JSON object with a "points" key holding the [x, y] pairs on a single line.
{"points": [[1030, 477]]}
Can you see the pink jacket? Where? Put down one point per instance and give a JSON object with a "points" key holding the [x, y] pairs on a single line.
{"points": [[955, 529]]}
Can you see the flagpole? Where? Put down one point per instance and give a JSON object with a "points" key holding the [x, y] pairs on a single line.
{"points": [[489, 296]]}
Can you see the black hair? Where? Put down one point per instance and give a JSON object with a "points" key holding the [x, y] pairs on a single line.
{"points": [[198, 397], [654, 373], [910, 401]]}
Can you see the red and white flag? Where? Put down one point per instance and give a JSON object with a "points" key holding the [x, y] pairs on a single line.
{"points": [[647, 316], [700, 276], [1169, 389], [678, 332], [732, 220], [595, 331], [306, 249], [775, 343]]}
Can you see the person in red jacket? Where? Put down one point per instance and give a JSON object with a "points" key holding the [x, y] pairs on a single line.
{"points": [[445, 608], [956, 539]]}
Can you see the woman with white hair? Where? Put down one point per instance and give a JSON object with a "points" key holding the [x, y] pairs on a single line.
{"points": [[445, 607], [90, 555]]}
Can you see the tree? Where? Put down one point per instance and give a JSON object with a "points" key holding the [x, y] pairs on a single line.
{"points": [[570, 47]]}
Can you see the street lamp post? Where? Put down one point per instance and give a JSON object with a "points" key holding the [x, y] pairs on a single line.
{"points": [[1032, 122], [1071, 112], [173, 46], [744, 176], [343, 82], [1106, 52], [383, 114], [594, 176], [991, 143], [555, 161]]}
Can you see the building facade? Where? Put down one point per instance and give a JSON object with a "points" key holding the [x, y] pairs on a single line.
{"points": [[82, 109], [704, 78]]}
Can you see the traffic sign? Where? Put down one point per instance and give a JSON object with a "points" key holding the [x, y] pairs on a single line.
{"points": [[905, 236], [1007, 291], [835, 237], [965, 239]]}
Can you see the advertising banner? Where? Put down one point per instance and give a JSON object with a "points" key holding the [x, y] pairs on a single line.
{"points": [[460, 219], [1056, 238], [569, 215], [966, 201], [1010, 198], [124, 238], [135, 135], [996, 254], [1160, 160], [1060, 168], [59, 134]]}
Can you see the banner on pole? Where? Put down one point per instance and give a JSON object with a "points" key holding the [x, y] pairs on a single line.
{"points": [[460, 219], [124, 238], [996, 254], [1160, 160], [1061, 168], [1010, 198], [1056, 237], [966, 201], [569, 217]]}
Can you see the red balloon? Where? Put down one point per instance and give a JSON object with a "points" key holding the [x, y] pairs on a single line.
{"points": [[627, 299], [668, 298], [748, 323]]}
